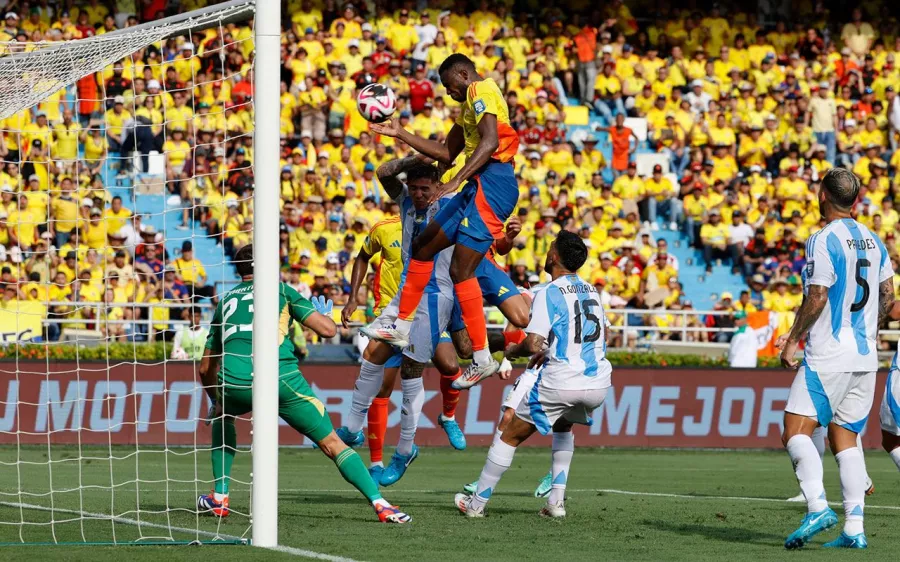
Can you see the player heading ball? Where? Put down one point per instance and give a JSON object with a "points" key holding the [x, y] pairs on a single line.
{"points": [[474, 218]]}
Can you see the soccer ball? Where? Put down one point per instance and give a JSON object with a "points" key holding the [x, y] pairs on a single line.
{"points": [[376, 102], [178, 354]]}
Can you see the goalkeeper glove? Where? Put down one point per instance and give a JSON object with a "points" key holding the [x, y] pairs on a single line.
{"points": [[323, 306]]}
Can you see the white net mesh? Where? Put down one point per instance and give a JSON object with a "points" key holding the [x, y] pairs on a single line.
{"points": [[126, 187]]}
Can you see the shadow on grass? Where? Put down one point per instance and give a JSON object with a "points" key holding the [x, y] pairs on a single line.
{"points": [[722, 532]]}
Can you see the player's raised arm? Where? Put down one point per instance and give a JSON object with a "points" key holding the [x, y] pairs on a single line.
{"points": [[316, 314], [444, 152], [387, 173]]}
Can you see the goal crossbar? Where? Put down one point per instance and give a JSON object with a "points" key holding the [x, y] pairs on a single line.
{"points": [[28, 77]]}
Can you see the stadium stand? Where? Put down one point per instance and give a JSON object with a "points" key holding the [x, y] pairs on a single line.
{"points": [[699, 137]]}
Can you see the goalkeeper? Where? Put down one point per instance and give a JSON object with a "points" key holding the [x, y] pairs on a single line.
{"points": [[226, 372]]}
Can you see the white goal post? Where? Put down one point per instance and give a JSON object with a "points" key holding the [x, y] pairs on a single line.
{"points": [[28, 76]]}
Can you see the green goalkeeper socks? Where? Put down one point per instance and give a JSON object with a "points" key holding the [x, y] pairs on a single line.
{"points": [[224, 445], [354, 471]]}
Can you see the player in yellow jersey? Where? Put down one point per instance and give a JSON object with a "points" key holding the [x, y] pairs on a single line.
{"points": [[474, 218], [384, 238]]}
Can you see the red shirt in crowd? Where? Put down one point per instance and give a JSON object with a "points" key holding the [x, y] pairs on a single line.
{"points": [[532, 135], [420, 91]]}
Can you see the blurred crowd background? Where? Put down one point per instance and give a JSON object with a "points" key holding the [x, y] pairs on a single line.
{"points": [[685, 145]]}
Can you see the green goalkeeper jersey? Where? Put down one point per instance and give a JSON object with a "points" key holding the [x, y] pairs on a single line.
{"points": [[231, 333]]}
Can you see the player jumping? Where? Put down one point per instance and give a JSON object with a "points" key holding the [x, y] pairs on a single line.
{"points": [[226, 372], [835, 384], [475, 216], [573, 380]]}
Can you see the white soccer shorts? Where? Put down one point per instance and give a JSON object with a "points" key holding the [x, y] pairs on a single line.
{"points": [[429, 324], [388, 313], [890, 404], [842, 398], [543, 407], [519, 390]]}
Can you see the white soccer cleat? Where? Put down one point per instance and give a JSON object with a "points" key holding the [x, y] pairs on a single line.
{"points": [[798, 498], [554, 510], [464, 505], [386, 334], [475, 374]]}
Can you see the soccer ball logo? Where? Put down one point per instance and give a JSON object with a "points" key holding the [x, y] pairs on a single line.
{"points": [[376, 102]]}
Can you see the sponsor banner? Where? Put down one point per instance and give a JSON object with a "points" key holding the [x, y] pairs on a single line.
{"points": [[93, 403]]}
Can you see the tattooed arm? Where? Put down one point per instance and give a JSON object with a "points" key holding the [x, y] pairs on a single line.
{"points": [[812, 307], [810, 310], [388, 172], [886, 301], [532, 343]]}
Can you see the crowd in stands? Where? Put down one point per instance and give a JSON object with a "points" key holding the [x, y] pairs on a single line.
{"points": [[747, 115]]}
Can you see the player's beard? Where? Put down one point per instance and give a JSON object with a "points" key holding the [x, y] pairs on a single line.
{"points": [[548, 265]]}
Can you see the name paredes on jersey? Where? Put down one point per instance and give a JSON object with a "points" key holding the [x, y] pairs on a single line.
{"points": [[575, 289], [861, 244]]}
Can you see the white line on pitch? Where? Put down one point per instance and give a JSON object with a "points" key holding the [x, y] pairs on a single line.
{"points": [[127, 521], [400, 492]]}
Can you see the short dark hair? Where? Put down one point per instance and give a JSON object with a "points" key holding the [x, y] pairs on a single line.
{"points": [[420, 171], [841, 187], [572, 251], [456, 60], [243, 260]]}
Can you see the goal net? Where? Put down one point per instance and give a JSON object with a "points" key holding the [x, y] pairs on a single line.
{"points": [[126, 187]]}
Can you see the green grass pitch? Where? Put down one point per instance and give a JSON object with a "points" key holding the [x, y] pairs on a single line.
{"points": [[622, 504]]}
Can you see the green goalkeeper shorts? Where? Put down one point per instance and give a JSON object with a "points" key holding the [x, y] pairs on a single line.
{"points": [[298, 405]]}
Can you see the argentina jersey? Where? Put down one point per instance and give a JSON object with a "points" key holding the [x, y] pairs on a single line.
{"points": [[414, 222], [568, 314], [851, 261]]}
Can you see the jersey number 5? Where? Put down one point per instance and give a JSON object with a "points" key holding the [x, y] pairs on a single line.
{"points": [[589, 316], [231, 306], [863, 284]]}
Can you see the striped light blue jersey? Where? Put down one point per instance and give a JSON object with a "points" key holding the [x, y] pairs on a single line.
{"points": [[569, 315], [852, 262], [414, 222]]}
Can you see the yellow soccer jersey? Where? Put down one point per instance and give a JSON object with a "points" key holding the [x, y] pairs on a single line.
{"points": [[486, 97], [386, 237]]}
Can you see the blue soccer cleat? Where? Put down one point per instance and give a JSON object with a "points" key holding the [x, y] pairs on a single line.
{"points": [[352, 440], [543, 487], [375, 472], [394, 471], [846, 541], [812, 525], [471, 488], [454, 433]]}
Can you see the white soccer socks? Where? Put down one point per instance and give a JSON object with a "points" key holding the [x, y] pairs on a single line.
{"points": [[499, 458], [818, 439], [853, 487], [895, 456], [413, 400], [808, 468], [364, 391], [563, 449]]}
